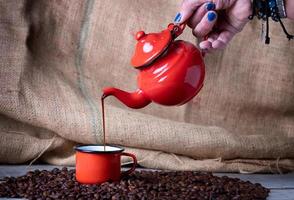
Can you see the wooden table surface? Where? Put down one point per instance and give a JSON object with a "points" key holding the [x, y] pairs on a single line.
{"points": [[281, 186]]}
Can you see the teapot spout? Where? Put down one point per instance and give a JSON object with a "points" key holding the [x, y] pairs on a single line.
{"points": [[134, 100]]}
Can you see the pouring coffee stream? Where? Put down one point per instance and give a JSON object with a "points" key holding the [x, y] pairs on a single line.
{"points": [[171, 72], [103, 120]]}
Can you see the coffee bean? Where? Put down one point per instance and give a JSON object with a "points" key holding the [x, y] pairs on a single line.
{"points": [[61, 184]]}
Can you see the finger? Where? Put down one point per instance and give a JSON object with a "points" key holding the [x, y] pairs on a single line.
{"points": [[217, 40], [223, 4], [199, 14], [218, 44], [212, 37], [188, 7], [206, 24], [205, 45], [223, 39]]}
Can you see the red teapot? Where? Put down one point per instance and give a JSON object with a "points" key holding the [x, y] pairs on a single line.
{"points": [[171, 72]]}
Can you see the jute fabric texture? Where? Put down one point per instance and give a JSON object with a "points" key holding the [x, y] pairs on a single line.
{"points": [[57, 55]]}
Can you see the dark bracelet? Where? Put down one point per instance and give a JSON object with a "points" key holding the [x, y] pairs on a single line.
{"points": [[264, 9], [281, 8]]}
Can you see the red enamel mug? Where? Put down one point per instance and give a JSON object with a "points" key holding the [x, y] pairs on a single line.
{"points": [[96, 165]]}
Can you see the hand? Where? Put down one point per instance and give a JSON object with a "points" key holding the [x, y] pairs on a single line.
{"points": [[289, 5], [220, 20]]}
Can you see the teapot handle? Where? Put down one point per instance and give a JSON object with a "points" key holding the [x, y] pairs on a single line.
{"points": [[177, 30]]}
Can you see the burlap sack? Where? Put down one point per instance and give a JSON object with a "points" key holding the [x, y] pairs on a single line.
{"points": [[56, 56]]}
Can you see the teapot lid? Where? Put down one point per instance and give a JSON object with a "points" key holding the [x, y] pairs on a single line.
{"points": [[150, 46]]}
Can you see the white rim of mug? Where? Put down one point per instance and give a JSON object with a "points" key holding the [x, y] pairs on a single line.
{"points": [[80, 149]]}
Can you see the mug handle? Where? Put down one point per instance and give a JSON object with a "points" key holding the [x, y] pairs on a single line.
{"points": [[134, 164]]}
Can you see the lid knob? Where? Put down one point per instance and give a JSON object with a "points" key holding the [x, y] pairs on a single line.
{"points": [[140, 34]]}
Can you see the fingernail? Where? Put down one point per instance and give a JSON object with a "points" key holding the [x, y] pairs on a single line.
{"points": [[178, 18], [210, 6], [211, 16]]}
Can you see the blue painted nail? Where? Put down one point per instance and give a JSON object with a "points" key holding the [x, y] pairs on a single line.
{"points": [[211, 16], [210, 6], [178, 18]]}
